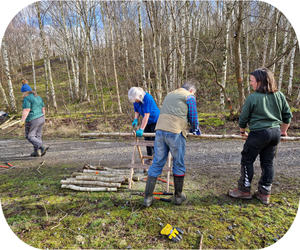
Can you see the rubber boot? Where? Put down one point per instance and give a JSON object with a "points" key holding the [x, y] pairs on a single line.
{"points": [[178, 184], [148, 199]]}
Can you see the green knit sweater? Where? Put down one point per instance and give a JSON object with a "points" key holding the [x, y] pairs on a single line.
{"points": [[262, 111]]}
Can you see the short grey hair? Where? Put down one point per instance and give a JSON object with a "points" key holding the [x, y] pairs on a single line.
{"points": [[136, 93], [188, 85]]}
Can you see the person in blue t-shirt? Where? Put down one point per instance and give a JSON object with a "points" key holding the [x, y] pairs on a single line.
{"points": [[144, 104], [33, 118]]}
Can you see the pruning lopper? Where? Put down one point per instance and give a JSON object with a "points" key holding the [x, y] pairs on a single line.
{"points": [[10, 166], [157, 198]]}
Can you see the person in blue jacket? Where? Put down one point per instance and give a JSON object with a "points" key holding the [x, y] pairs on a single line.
{"points": [[144, 104]]}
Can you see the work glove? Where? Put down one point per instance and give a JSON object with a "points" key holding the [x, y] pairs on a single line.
{"points": [[173, 233], [134, 123], [196, 131], [140, 132], [22, 124]]}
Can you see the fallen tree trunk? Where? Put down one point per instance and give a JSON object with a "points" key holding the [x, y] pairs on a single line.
{"points": [[99, 178], [87, 189], [87, 135], [105, 172], [86, 182]]}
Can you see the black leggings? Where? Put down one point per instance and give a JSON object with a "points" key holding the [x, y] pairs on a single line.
{"points": [[150, 128]]}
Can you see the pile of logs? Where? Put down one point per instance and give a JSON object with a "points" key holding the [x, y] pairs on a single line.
{"points": [[97, 179]]}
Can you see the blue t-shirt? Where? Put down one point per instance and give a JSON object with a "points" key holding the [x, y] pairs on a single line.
{"points": [[148, 106]]}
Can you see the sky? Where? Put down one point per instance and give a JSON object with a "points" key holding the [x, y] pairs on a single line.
{"points": [[9, 8]]}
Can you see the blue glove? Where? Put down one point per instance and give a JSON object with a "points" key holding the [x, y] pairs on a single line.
{"points": [[134, 123], [196, 132], [140, 132]]}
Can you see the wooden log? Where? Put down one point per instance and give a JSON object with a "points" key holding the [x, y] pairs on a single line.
{"points": [[86, 182], [10, 124], [99, 178], [6, 122], [87, 189], [105, 172], [134, 178], [87, 135]]}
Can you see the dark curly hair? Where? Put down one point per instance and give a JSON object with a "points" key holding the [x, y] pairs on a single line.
{"points": [[266, 81]]}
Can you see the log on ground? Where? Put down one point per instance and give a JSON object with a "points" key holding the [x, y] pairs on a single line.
{"points": [[87, 189]]}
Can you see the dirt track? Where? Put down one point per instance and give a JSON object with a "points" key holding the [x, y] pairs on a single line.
{"points": [[221, 157]]}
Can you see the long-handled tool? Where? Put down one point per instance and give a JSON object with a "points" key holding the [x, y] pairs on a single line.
{"points": [[10, 166]]}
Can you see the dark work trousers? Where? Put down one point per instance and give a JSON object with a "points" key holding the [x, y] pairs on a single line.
{"points": [[150, 128], [263, 143], [33, 132]]}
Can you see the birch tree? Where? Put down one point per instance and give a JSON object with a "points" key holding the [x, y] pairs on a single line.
{"points": [[238, 56], [142, 45], [8, 77], [46, 57], [4, 97], [285, 41], [290, 85], [229, 9]]}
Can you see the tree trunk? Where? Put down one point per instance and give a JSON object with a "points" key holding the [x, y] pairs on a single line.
{"points": [[238, 56], [8, 77], [114, 61], [289, 93], [225, 52], [277, 17], [142, 46], [4, 98], [46, 56], [285, 41], [70, 54]]}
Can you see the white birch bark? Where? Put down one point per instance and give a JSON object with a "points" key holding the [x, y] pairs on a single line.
{"points": [[8, 77], [70, 55], [171, 77], [229, 9], [46, 56], [290, 85], [273, 48], [124, 35], [285, 41], [142, 45], [4, 97], [29, 38], [114, 61], [238, 56]]}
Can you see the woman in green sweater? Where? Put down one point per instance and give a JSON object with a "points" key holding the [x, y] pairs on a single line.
{"points": [[33, 118], [268, 115]]}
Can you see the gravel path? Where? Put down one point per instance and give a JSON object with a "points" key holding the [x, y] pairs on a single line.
{"points": [[219, 156]]}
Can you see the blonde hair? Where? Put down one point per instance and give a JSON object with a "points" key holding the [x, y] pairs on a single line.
{"points": [[136, 93], [24, 81]]}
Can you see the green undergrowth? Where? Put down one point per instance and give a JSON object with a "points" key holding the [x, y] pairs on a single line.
{"points": [[43, 215]]}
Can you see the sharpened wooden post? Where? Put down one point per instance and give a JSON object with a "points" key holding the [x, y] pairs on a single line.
{"points": [[132, 162]]}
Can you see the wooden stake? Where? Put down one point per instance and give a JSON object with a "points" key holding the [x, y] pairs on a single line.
{"points": [[200, 247]]}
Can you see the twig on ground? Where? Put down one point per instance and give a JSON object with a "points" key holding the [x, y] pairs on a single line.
{"points": [[77, 233], [40, 166], [200, 247], [59, 221]]}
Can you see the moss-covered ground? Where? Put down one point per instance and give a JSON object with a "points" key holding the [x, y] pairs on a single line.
{"points": [[43, 215]]}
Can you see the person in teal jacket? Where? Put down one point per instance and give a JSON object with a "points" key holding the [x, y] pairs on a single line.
{"points": [[33, 118], [268, 115]]}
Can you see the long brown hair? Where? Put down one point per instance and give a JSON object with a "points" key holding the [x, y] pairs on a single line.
{"points": [[266, 79]]}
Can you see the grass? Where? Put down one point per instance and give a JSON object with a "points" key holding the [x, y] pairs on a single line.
{"points": [[43, 215]]}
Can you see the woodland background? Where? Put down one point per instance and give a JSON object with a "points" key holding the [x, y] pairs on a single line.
{"points": [[85, 55]]}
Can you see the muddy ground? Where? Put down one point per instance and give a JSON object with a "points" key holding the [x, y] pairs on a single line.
{"points": [[213, 157]]}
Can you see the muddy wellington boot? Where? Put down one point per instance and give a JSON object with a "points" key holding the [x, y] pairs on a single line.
{"points": [[179, 197], [149, 199]]}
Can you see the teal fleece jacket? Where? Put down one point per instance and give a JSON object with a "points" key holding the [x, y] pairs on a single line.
{"points": [[265, 110]]}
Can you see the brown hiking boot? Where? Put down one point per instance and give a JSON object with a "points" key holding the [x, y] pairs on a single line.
{"points": [[239, 194], [265, 199]]}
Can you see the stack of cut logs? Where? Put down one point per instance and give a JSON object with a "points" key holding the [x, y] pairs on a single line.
{"points": [[96, 179]]}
